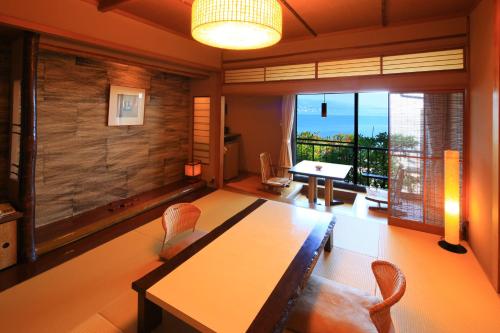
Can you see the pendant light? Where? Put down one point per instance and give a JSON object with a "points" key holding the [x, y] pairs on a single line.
{"points": [[236, 24], [324, 107]]}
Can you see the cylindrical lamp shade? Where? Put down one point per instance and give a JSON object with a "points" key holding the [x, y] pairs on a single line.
{"points": [[236, 24], [192, 169], [452, 197], [323, 110]]}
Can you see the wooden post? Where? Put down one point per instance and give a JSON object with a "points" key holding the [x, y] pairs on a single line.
{"points": [[28, 146]]}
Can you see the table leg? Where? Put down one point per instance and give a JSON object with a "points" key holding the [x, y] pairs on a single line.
{"points": [[149, 314], [313, 193], [328, 192], [329, 243]]}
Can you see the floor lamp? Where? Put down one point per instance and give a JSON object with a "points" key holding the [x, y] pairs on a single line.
{"points": [[451, 241]]}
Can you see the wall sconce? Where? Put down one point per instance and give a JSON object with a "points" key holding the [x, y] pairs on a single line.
{"points": [[451, 240], [192, 169], [323, 107]]}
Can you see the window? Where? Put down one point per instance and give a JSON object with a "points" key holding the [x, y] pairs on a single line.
{"points": [[201, 129], [354, 132]]}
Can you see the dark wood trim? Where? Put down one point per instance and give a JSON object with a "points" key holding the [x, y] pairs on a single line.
{"points": [[21, 272], [383, 14], [298, 17], [28, 146], [107, 5], [273, 315], [148, 311]]}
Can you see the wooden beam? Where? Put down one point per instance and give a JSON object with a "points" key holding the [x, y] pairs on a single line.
{"points": [[298, 17], [383, 14], [28, 145], [107, 5]]}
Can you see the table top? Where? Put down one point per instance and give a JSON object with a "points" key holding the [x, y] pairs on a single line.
{"points": [[328, 170], [226, 285]]}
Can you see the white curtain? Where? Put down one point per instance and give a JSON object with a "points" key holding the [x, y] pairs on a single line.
{"points": [[287, 117]]}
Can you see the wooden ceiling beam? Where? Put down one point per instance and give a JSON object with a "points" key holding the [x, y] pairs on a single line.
{"points": [[383, 14], [298, 17], [107, 5]]}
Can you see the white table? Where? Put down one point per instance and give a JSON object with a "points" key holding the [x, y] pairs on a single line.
{"points": [[244, 278], [328, 171]]}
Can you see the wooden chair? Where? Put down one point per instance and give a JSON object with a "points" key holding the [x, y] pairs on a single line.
{"points": [[176, 221], [270, 179], [381, 196], [327, 306]]}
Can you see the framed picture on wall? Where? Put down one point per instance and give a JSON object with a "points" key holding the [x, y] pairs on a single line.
{"points": [[126, 106]]}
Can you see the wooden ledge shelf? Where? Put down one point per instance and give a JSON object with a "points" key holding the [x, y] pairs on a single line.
{"points": [[60, 233]]}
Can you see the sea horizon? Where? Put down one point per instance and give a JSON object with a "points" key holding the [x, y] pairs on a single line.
{"points": [[368, 126]]}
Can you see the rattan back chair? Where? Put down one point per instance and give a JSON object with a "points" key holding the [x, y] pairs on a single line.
{"points": [[392, 284], [179, 218]]}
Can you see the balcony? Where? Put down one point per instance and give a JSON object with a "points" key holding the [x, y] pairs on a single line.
{"points": [[370, 164]]}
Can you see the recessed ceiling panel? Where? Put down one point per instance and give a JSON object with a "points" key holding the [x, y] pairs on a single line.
{"points": [[174, 15], [326, 16], [408, 10]]}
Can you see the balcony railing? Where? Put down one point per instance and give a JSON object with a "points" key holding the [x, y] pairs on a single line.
{"points": [[371, 161]]}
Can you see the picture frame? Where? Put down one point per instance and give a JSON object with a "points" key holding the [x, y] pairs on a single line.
{"points": [[126, 106]]}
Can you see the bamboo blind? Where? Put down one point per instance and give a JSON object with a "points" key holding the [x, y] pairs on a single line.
{"points": [[422, 127], [201, 129]]}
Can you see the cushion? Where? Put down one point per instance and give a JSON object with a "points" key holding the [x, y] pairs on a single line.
{"points": [[327, 306], [278, 181], [176, 245]]}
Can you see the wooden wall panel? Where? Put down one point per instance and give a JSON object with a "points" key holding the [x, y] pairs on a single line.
{"points": [[5, 51], [82, 163]]}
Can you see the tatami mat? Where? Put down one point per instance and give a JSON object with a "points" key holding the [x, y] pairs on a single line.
{"points": [[445, 292], [347, 267], [357, 235]]}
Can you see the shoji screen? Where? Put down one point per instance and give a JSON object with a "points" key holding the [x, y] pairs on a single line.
{"points": [[201, 129], [421, 127]]}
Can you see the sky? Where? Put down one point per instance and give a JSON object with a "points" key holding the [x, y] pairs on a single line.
{"points": [[370, 104]]}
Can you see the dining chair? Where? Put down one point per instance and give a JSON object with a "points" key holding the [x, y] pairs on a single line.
{"points": [[269, 174], [327, 306], [177, 220]]}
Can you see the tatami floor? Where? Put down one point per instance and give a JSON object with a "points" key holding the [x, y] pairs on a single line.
{"points": [[445, 293]]}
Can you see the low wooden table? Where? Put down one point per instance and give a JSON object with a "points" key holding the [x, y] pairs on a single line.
{"points": [[328, 171], [241, 277]]}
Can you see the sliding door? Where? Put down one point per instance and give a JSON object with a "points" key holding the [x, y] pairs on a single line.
{"points": [[421, 127]]}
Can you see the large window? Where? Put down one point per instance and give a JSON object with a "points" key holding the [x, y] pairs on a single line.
{"points": [[354, 132]]}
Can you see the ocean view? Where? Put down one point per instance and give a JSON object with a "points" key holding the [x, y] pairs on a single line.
{"points": [[340, 124], [373, 117]]}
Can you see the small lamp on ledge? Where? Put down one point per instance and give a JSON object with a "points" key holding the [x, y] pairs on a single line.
{"points": [[451, 241], [192, 170]]}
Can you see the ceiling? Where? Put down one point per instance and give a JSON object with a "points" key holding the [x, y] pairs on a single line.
{"points": [[302, 18]]}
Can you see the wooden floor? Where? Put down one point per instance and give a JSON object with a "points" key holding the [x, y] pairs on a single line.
{"points": [[446, 292]]}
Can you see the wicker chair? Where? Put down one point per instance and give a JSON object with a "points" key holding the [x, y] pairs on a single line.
{"points": [[270, 180], [176, 221], [327, 306]]}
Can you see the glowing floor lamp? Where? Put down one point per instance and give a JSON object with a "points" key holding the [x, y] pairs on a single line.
{"points": [[451, 240]]}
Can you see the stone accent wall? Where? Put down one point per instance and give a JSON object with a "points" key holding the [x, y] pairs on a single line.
{"points": [[81, 162]]}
